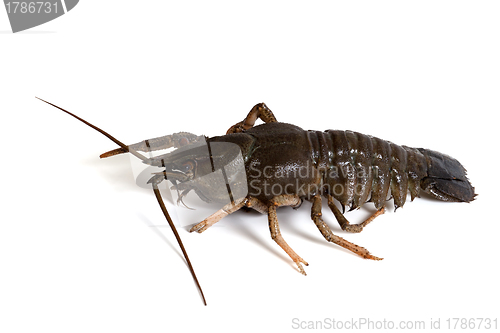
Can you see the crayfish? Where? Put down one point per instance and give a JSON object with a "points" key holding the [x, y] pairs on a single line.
{"points": [[278, 164]]}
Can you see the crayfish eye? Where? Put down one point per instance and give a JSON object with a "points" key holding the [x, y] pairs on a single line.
{"points": [[188, 166]]}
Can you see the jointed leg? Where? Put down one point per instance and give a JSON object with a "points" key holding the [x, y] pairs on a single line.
{"points": [[256, 204], [276, 236], [284, 200], [344, 224], [217, 216], [258, 111], [250, 202], [329, 236]]}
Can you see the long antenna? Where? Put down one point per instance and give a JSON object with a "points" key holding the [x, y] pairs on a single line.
{"points": [[155, 190], [167, 216]]}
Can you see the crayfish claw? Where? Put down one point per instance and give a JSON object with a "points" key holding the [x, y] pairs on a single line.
{"points": [[299, 263]]}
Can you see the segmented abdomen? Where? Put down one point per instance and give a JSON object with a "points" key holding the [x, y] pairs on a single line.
{"points": [[357, 168]]}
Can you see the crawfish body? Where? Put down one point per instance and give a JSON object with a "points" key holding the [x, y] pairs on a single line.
{"points": [[283, 159], [285, 165]]}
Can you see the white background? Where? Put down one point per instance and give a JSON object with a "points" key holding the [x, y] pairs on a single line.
{"points": [[78, 248]]}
